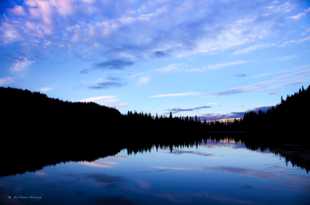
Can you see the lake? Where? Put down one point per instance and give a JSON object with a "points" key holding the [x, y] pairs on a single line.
{"points": [[223, 172]]}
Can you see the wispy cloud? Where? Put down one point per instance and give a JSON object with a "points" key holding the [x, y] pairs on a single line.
{"points": [[164, 168], [178, 110], [274, 81], [9, 33], [279, 44], [285, 58], [226, 64], [232, 115], [252, 48], [143, 30], [294, 41], [20, 65], [45, 89], [98, 164], [178, 94], [266, 82], [115, 64], [245, 171], [110, 82], [18, 10], [217, 117], [160, 54], [171, 68], [6, 80], [108, 100], [143, 80], [203, 154], [300, 15], [241, 75]]}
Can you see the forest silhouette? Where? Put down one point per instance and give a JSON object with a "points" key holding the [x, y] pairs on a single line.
{"points": [[37, 130]]}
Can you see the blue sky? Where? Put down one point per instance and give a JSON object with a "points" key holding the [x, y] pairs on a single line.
{"points": [[191, 57]]}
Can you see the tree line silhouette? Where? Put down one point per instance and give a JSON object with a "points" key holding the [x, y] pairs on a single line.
{"points": [[286, 122], [37, 130]]}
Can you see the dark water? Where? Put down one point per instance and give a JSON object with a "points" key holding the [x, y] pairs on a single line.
{"points": [[212, 173]]}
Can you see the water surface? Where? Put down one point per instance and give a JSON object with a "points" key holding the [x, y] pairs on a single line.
{"points": [[210, 173]]}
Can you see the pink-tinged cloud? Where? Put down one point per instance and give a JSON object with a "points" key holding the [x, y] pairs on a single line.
{"points": [[6, 80], [18, 11], [63, 7], [41, 10], [98, 164], [20, 65], [9, 33]]}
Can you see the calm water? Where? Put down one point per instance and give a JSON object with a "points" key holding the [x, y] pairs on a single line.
{"points": [[221, 173]]}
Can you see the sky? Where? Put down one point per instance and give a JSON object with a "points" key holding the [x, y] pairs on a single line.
{"points": [[188, 57]]}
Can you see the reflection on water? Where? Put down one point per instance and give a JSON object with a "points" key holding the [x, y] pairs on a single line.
{"points": [[212, 173]]}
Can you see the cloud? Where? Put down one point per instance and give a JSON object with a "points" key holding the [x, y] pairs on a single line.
{"points": [[241, 75], [252, 48], [280, 44], [144, 30], [178, 110], [143, 80], [278, 7], [285, 58], [45, 89], [300, 15], [18, 10], [245, 171], [115, 64], [237, 90], [21, 65], [274, 81], [164, 168], [6, 80], [9, 33], [41, 173], [63, 7], [179, 94], [191, 152], [270, 82], [98, 164], [42, 12], [144, 185], [109, 100], [227, 64], [38, 21], [294, 41], [187, 68], [88, 1], [110, 82], [232, 115], [169, 68], [104, 179], [240, 32], [160, 54], [217, 117]]}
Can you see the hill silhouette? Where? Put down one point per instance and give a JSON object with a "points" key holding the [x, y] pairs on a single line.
{"points": [[24, 111]]}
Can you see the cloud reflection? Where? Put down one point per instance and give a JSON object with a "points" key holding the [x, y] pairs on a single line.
{"points": [[40, 173], [191, 152], [164, 168], [104, 179], [97, 164], [245, 171]]}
